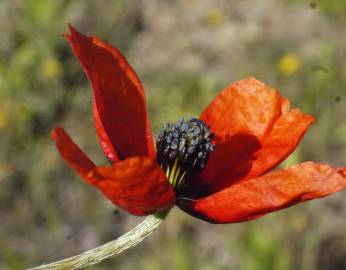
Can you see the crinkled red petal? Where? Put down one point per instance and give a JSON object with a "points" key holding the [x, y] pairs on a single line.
{"points": [[280, 142], [248, 153], [247, 106], [268, 193], [72, 154], [137, 184], [256, 197], [119, 104]]}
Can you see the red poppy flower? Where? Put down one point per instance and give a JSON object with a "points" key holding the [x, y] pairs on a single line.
{"points": [[215, 168]]}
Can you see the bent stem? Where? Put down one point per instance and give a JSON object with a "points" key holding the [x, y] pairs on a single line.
{"points": [[110, 249]]}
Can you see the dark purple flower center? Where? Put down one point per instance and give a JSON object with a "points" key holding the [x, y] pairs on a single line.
{"points": [[183, 149]]}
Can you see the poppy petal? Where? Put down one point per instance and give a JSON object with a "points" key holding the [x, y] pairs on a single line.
{"points": [[244, 156], [119, 104], [271, 192], [72, 154], [246, 106], [137, 184], [280, 142]]}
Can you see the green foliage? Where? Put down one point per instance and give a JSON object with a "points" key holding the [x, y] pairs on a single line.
{"points": [[335, 8]]}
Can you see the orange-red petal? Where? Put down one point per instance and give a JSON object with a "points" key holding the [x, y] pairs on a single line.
{"points": [[72, 154], [244, 156], [136, 184], [119, 104], [280, 141], [256, 197], [248, 153], [246, 106]]}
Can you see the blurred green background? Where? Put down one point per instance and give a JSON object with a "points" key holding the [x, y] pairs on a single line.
{"points": [[185, 52]]}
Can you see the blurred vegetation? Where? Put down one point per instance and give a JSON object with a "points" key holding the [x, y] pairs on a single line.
{"points": [[185, 51]]}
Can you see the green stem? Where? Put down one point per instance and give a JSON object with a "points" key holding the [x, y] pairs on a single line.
{"points": [[110, 249]]}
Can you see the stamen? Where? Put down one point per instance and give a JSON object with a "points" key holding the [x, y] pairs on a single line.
{"points": [[183, 149]]}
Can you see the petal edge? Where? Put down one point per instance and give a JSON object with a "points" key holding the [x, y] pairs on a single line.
{"points": [[245, 156], [256, 197], [137, 184], [119, 103], [72, 154]]}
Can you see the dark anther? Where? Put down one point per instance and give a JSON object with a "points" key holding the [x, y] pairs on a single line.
{"points": [[183, 148]]}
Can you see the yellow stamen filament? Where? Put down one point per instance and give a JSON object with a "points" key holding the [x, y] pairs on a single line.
{"points": [[181, 180], [175, 175]]}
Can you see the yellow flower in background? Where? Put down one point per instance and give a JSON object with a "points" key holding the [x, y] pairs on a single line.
{"points": [[3, 119], [50, 68], [289, 64], [215, 17]]}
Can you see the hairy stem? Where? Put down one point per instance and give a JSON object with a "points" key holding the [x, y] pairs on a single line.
{"points": [[110, 249]]}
